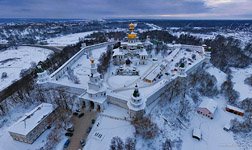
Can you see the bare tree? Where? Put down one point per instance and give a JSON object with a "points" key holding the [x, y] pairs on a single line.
{"points": [[130, 144], [116, 143]]}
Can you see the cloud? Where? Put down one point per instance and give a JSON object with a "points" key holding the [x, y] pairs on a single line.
{"points": [[120, 8]]}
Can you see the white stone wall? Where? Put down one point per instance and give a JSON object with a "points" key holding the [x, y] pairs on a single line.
{"points": [[61, 71]]}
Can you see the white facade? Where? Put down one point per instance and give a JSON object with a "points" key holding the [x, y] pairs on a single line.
{"points": [[95, 96], [33, 124], [136, 104]]}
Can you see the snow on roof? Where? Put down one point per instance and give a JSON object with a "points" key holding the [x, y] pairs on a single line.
{"points": [[143, 52], [131, 44], [2, 41], [99, 100], [154, 73], [173, 54], [30, 120], [211, 105], [117, 52], [235, 108], [197, 132]]}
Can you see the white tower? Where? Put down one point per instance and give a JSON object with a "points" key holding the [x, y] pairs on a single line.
{"points": [[136, 104], [42, 75], [95, 81], [95, 97]]}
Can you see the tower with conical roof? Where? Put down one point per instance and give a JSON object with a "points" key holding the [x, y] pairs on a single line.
{"points": [[136, 104]]}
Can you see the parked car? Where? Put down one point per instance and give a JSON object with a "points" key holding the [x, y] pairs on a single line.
{"points": [[70, 129], [81, 115], [75, 113], [227, 127], [49, 127], [66, 144], [93, 121], [82, 142], [69, 134], [89, 129], [196, 133]]}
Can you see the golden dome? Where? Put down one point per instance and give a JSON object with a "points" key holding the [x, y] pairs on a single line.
{"points": [[131, 26], [132, 36]]}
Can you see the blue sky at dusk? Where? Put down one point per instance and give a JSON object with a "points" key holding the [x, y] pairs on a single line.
{"points": [[98, 9]]}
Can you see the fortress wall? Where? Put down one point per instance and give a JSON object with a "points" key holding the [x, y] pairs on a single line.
{"points": [[168, 85], [60, 71], [193, 47], [66, 88], [118, 101]]}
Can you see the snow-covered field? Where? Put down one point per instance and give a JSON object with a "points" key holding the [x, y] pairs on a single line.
{"points": [[12, 61], [239, 75], [244, 37], [67, 39], [219, 75], [109, 128]]}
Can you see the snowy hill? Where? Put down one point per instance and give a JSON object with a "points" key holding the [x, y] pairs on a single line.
{"points": [[13, 60]]}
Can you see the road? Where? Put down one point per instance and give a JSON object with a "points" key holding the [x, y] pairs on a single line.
{"points": [[80, 129]]}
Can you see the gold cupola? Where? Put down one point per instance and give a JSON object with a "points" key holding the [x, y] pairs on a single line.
{"points": [[132, 35], [131, 27]]}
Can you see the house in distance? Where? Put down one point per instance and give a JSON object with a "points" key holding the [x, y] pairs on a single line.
{"points": [[207, 108]]}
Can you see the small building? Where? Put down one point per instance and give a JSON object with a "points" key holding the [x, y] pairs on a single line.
{"points": [[207, 108], [154, 74], [227, 127], [235, 110], [196, 133], [127, 71], [33, 124]]}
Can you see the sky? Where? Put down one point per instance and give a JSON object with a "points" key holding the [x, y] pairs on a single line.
{"points": [[104, 9]]}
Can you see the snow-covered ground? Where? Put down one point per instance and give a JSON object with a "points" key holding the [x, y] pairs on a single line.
{"points": [[219, 75], [213, 135], [12, 61], [153, 26], [67, 39], [109, 127], [199, 35], [244, 37], [81, 67], [6, 142], [239, 75]]}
